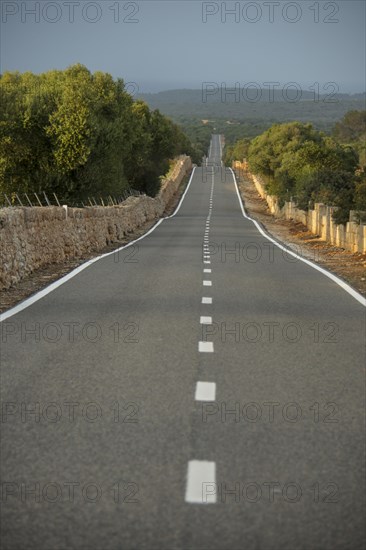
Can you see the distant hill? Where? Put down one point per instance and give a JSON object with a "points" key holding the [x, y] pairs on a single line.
{"points": [[270, 107], [195, 96]]}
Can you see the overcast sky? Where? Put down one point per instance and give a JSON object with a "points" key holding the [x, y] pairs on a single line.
{"points": [[181, 44]]}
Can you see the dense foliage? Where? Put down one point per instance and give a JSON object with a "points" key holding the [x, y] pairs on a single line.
{"points": [[351, 131], [237, 151], [78, 134], [302, 163]]}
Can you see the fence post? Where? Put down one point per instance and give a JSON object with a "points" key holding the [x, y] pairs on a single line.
{"points": [[47, 201], [40, 204], [28, 199], [20, 202], [56, 199], [6, 196]]}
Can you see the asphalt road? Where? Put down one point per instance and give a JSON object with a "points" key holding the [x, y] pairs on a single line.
{"points": [[199, 389]]}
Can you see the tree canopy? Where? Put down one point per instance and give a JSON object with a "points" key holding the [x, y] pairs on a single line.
{"points": [[77, 134], [301, 163]]}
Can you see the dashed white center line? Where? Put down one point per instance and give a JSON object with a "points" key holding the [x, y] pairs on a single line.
{"points": [[205, 347], [206, 300], [207, 283], [207, 270], [201, 482], [206, 320], [205, 391], [206, 261]]}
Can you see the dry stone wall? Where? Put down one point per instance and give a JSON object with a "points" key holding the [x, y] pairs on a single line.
{"points": [[35, 237], [318, 220]]}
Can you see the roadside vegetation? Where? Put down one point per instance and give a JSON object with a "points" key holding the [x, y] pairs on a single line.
{"points": [[77, 134], [306, 165]]}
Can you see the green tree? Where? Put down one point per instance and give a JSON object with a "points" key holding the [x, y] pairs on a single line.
{"points": [[304, 164], [78, 134], [237, 151]]}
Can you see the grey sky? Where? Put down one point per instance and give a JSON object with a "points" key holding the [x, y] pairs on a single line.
{"points": [[170, 46]]}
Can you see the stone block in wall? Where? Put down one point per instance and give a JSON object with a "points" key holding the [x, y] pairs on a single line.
{"points": [[353, 234], [362, 239]]}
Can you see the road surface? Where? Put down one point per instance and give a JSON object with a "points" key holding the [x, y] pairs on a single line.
{"points": [[200, 389]]}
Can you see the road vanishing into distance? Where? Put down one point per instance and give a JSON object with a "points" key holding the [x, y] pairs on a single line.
{"points": [[201, 388]]}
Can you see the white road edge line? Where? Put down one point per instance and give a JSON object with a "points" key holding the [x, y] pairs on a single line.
{"points": [[32, 299], [328, 274], [205, 391], [201, 482]]}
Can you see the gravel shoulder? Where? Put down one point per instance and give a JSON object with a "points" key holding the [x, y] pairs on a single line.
{"points": [[351, 267]]}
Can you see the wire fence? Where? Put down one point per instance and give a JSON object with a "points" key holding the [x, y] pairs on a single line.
{"points": [[16, 200]]}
